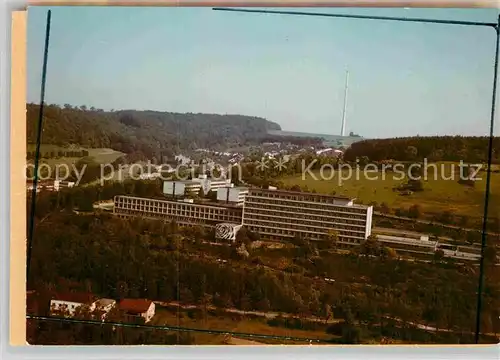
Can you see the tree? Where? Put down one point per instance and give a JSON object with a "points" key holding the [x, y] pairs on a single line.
{"points": [[122, 289], [438, 255], [253, 236], [399, 212], [186, 296], [296, 188], [242, 236], [384, 208], [446, 217], [85, 204], [198, 234], [212, 195], [371, 246], [142, 134], [245, 303], [471, 237], [388, 253], [364, 160], [239, 251], [490, 255], [464, 219], [96, 247], [333, 238], [351, 334], [297, 240], [216, 172], [414, 211], [327, 312], [263, 305], [206, 301], [411, 152]]}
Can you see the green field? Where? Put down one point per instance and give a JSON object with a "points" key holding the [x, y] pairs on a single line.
{"points": [[439, 193], [104, 155], [99, 155], [234, 324]]}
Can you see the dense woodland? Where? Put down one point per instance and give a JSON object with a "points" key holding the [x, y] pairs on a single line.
{"points": [[137, 258], [434, 148], [150, 133], [161, 261]]}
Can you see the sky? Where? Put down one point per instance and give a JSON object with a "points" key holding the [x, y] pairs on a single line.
{"points": [[405, 79]]}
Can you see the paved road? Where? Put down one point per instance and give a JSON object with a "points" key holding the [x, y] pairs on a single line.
{"points": [[417, 235], [428, 222], [266, 314], [271, 315], [427, 246], [238, 341], [431, 328]]}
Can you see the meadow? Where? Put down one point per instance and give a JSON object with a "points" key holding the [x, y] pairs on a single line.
{"points": [[49, 154], [234, 323], [439, 193]]}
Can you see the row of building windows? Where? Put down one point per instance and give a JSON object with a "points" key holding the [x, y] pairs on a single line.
{"points": [[152, 207], [120, 201], [317, 198], [349, 212], [183, 220], [310, 212], [215, 217], [262, 215], [277, 228], [299, 216], [175, 207], [284, 221], [177, 210], [280, 233], [303, 205]]}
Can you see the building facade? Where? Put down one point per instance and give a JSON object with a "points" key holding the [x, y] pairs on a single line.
{"points": [[208, 184], [105, 306], [233, 195], [184, 187], [137, 308], [180, 188], [61, 184], [49, 185], [279, 215], [68, 303], [274, 214], [184, 213]]}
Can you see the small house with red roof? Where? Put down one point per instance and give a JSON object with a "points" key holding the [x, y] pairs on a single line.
{"points": [[135, 308]]}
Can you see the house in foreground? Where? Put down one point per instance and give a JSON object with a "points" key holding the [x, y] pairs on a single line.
{"points": [[137, 308], [104, 306], [70, 302]]}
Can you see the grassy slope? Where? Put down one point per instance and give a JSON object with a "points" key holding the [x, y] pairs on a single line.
{"points": [[100, 155], [439, 194], [244, 325]]}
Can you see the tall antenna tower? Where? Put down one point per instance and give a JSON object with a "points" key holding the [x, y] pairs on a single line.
{"points": [[344, 113]]}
